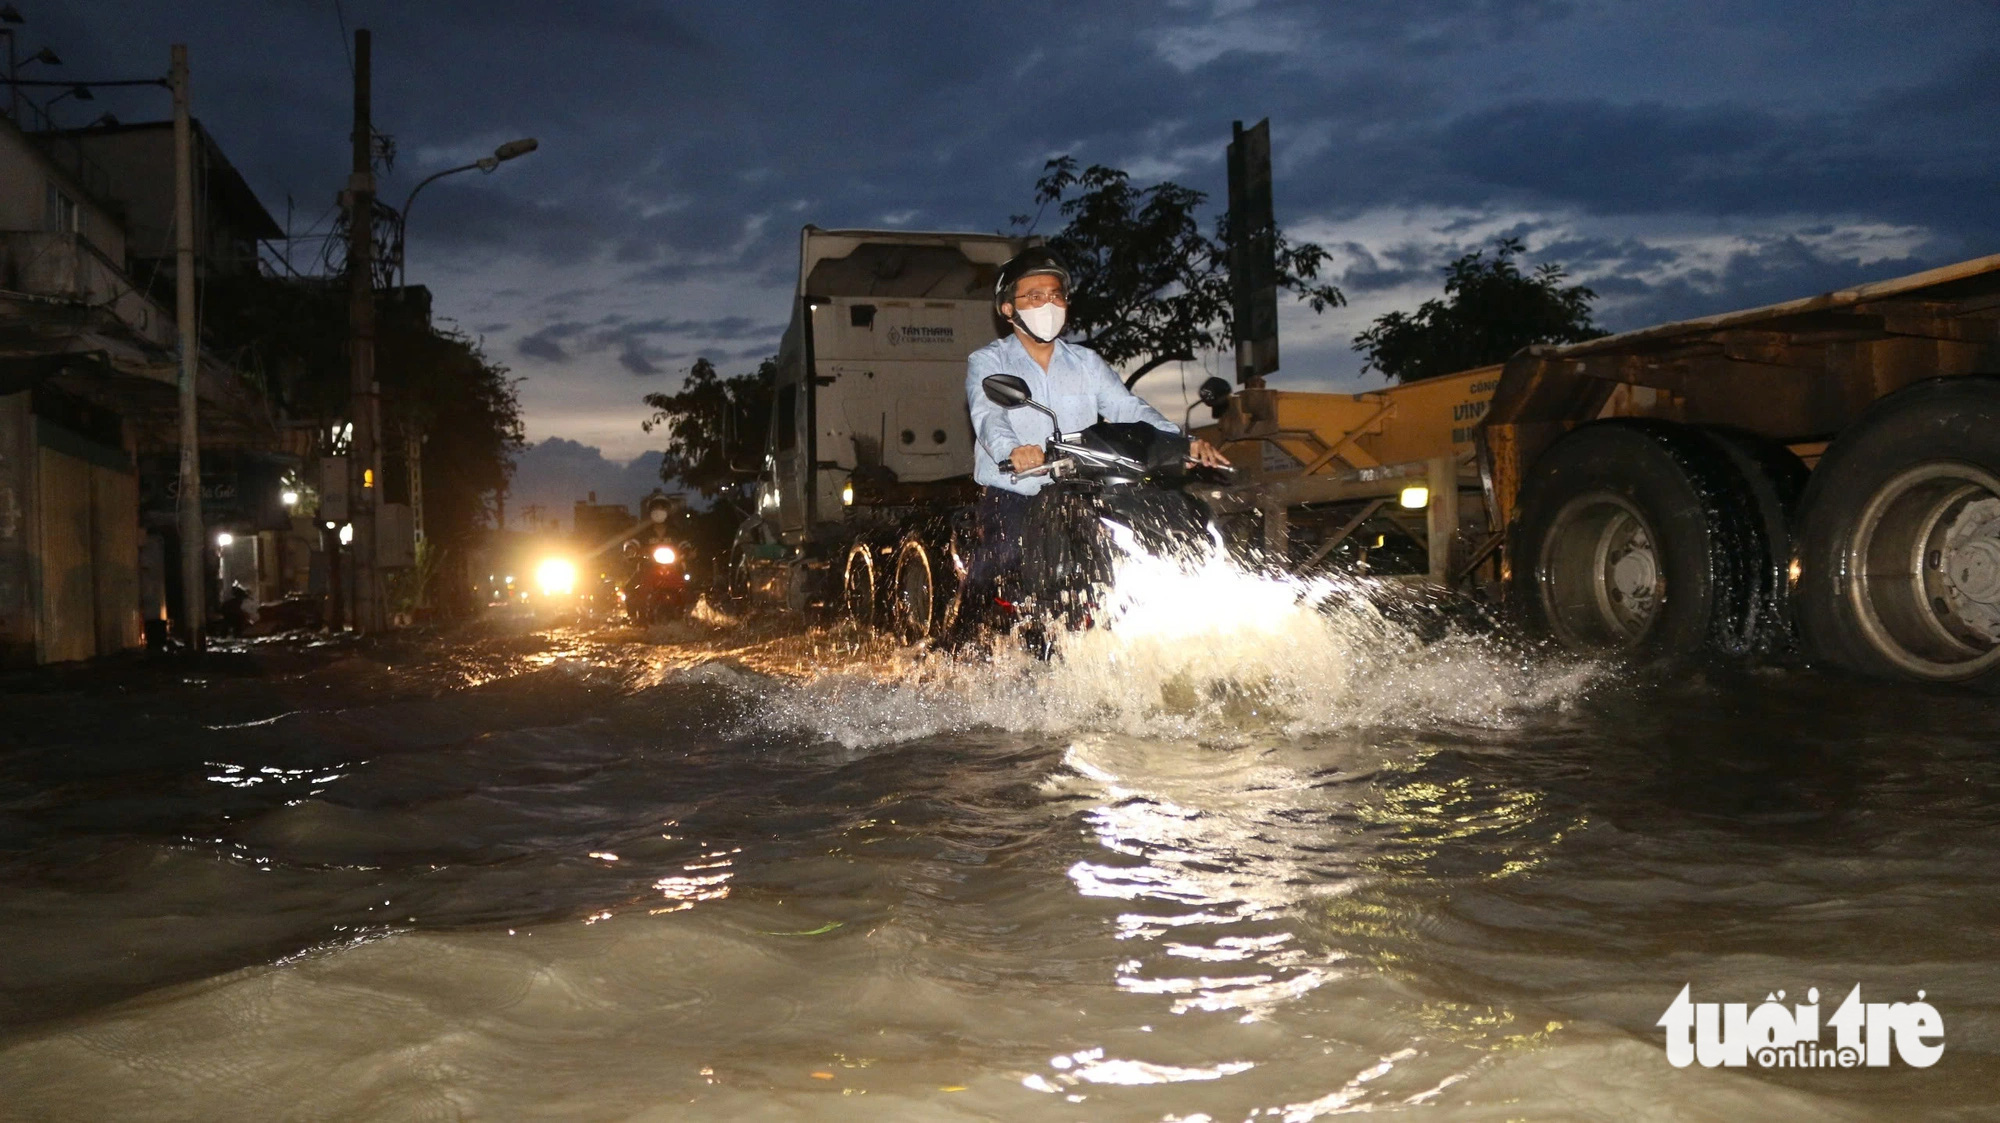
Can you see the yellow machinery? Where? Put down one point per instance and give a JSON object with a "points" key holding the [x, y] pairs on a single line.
{"points": [[1371, 482]]}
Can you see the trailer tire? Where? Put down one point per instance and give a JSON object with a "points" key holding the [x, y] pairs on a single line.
{"points": [[1637, 538], [1899, 550], [859, 589], [920, 597], [1773, 479]]}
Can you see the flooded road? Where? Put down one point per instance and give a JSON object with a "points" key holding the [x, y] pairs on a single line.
{"points": [[727, 872]]}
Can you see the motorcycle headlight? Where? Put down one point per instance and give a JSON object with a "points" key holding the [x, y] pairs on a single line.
{"points": [[556, 577], [664, 555]]}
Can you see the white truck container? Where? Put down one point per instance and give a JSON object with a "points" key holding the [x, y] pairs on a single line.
{"points": [[869, 457]]}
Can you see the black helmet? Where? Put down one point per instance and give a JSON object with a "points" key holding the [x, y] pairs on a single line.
{"points": [[1035, 261]]}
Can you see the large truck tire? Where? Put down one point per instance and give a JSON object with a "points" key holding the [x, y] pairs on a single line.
{"points": [[1899, 549], [1773, 480], [1638, 538], [860, 589], [921, 593]]}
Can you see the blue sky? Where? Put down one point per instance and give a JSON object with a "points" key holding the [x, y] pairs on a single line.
{"points": [[1680, 157]]}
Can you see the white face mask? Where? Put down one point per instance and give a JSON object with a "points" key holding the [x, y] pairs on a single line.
{"points": [[1044, 323]]}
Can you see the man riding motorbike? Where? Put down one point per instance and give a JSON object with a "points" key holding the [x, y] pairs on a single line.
{"points": [[1032, 296], [659, 581]]}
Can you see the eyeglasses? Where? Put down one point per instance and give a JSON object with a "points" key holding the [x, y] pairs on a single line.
{"points": [[1037, 297]]}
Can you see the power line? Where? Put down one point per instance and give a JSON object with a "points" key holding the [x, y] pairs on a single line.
{"points": [[344, 37], [72, 82]]}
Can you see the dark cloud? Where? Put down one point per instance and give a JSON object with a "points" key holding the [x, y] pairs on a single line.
{"points": [[645, 347], [1768, 272], [680, 143], [554, 474], [541, 345], [633, 359]]}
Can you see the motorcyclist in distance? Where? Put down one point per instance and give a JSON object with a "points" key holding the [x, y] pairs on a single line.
{"points": [[1032, 295]]}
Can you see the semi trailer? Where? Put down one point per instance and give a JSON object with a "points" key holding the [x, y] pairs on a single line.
{"points": [[1819, 476]]}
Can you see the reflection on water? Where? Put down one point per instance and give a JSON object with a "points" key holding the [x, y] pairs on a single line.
{"points": [[1182, 872]]}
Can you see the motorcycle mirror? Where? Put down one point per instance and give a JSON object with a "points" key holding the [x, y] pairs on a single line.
{"points": [[1214, 394], [1009, 390]]}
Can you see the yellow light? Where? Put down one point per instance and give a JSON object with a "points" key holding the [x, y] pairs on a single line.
{"points": [[847, 494], [663, 555], [367, 477], [1414, 496], [555, 577]]}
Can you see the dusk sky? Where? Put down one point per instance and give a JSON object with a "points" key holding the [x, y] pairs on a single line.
{"points": [[1681, 158]]}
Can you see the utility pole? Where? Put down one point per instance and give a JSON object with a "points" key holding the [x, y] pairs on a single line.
{"points": [[364, 455], [194, 546]]}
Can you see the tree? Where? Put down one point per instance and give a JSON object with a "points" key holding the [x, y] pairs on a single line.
{"points": [[715, 427], [292, 336], [439, 382], [1150, 287], [1491, 310]]}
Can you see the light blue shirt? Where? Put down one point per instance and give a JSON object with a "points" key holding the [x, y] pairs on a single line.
{"points": [[1079, 386]]}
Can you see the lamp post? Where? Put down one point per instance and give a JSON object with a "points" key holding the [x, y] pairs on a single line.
{"points": [[485, 164]]}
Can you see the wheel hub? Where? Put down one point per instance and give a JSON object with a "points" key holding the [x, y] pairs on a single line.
{"points": [[1634, 574], [1924, 560], [1600, 573], [1971, 565]]}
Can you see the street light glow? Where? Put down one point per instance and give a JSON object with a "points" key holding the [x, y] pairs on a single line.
{"points": [[225, 540]]}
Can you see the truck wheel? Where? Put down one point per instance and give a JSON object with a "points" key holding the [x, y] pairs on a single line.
{"points": [[1636, 538], [1899, 554], [1773, 479], [922, 592], [858, 586]]}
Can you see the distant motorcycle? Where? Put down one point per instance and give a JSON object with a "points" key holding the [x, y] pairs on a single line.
{"points": [[658, 590]]}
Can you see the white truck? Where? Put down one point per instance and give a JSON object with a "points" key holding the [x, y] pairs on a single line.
{"points": [[868, 465]]}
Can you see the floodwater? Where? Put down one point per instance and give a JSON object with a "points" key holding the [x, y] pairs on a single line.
{"points": [[1240, 860]]}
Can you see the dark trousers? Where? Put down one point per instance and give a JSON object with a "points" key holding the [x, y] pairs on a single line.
{"points": [[1002, 520]]}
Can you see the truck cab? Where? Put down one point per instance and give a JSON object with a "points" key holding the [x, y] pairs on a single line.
{"points": [[869, 429]]}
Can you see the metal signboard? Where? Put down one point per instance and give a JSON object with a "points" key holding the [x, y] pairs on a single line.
{"points": [[1253, 264]]}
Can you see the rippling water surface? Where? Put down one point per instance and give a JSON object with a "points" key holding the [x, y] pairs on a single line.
{"points": [[1198, 869]]}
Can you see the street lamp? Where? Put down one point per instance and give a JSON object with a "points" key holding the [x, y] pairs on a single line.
{"points": [[485, 164], [79, 92]]}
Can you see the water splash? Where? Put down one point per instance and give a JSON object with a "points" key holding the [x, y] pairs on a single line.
{"points": [[1194, 646]]}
